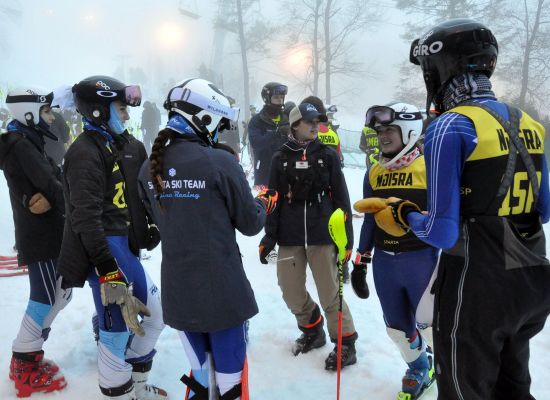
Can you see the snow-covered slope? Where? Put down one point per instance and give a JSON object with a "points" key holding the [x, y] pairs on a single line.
{"points": [[274, 372]]}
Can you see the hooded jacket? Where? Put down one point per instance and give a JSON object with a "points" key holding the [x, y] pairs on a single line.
{"points": [[28, 170]]}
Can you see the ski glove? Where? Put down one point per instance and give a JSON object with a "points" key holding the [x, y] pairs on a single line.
{"points": [[359, 274], [114, 290], [267, 245], [389, 214], [268, 197], [153, 237], [38, 204]]}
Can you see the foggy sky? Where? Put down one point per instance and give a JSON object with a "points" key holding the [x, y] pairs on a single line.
{"points": [[59, 42]]}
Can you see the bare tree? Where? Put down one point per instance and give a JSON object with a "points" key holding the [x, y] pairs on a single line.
{"points": [[526, 41], [423, 15], [331, 44], [10, 13], [252, 32]]}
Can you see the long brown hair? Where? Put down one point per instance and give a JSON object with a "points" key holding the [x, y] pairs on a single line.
{"points": [[156, 158]]}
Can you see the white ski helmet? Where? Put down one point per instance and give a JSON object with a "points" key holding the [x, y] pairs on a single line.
{"points": [[405, 116], [205, 107], [24, 104]]}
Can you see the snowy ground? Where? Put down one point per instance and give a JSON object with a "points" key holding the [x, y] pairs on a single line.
{"points": [[274, 372]]}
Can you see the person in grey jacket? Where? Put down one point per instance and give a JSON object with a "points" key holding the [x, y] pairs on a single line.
{"points": [[198, 196]]}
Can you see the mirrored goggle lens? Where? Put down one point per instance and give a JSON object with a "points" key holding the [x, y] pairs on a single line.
{"points": [[280, 90], [379, 114], [132, 95], [204, 103]]}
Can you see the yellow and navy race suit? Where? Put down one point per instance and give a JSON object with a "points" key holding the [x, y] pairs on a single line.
{"points": [[492, 293], [402, 266]]}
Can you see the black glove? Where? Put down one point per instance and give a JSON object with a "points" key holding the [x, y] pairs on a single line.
{"points": [[267, 245], [400, 209], [359, 275], [153, 237]]}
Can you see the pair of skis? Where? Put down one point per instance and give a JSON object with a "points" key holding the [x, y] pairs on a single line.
{"points": [[9, 267]]}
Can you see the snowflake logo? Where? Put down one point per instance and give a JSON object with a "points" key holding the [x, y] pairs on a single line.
{"points": [[172, 172]]}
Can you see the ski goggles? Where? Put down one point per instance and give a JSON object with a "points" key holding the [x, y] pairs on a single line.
{"points": [[132, 95], [193, 103], [279, 90], [384, 115]]}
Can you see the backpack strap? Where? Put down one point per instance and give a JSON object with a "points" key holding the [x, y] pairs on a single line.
{"points": [[517, 146]]}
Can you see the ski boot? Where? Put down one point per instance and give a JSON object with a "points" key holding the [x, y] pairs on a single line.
{"points": [[144, 391], [309, 341], [124, 392], [45, 365], [419, 377], [32, 375], [349, 355], [313, 335]]}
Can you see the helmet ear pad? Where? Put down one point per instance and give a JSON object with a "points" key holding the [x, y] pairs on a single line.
{"points": [[99, 114], [29, 118]]}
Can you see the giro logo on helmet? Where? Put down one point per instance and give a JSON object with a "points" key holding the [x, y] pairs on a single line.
{"points": [[425, 50]]}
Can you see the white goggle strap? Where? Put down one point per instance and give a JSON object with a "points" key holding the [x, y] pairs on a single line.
{"points": [[184, 94]]}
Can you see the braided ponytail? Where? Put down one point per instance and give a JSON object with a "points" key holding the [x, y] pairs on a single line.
{"points": [[157, 155]]}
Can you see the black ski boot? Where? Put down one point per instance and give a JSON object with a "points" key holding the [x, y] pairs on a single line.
{"points": [[313, 336], [349, 356]]}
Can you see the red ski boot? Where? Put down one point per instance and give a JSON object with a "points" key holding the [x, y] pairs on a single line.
{"points": [[29, 375], [47, 366]]}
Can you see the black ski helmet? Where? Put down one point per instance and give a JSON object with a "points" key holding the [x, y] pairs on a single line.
{"points": [[272, 89], [289, 105], [450, 49], [94, 95]]}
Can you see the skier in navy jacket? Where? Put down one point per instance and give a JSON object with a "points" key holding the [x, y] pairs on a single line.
{"points": [[198, 196]]}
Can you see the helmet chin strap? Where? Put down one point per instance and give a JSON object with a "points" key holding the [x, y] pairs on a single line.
{"points": [[405, 150], [41, 127], [202, 131]]}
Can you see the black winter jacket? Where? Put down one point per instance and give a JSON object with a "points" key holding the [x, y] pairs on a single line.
{"points": [[95, 204], [301, 216], [132, 156], [265, 138], [29, 171]]}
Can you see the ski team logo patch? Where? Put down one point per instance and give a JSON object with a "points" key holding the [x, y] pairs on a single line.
{"points": [[172, 172]]}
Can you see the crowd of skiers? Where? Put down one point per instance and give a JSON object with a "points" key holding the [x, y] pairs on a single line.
{"points": [[453, 229]]}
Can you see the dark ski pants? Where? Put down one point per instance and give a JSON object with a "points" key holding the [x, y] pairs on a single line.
{"points": [[401, 280], [484, 318], [47, 298]]}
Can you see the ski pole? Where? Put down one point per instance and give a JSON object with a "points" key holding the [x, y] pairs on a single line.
{"points": [[337, 230]]}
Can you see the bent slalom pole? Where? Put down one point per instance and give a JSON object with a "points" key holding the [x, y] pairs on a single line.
{"points": [[337, 230]]}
